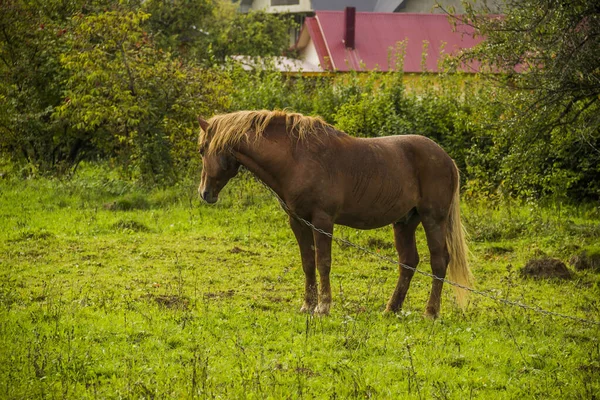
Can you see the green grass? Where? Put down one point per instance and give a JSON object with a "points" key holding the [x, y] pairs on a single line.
{"points": [[111, 292]]}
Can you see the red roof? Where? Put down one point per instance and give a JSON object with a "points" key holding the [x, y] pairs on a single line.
{"points": [[376, 33]]}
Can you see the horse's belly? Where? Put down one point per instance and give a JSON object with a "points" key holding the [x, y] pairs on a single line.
{"points": [[362, 224], [378, 203], [372, 217]]}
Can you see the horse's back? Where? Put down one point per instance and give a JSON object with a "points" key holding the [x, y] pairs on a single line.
{"points": [[379, 180], [414, 154], [417, 146], [435, 171]]}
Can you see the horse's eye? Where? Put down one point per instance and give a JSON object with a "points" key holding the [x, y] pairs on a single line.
{"points": [[201, 149]]}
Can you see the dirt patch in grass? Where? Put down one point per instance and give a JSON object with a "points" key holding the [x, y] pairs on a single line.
{"points": [[237, 250], [129, 225], [134, 201], [499, 250], [546, 268], [219, 295], [33, 235], [278, 299], [305, 371], [170, 301], [586, 261], [494, 251]]}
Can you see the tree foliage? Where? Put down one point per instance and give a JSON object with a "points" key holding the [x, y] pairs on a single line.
{"points": [[181, 26], [135, 102], [545, 54], [31, 82], [255, 34], [209, 31], [371, 105], [122, 81]]}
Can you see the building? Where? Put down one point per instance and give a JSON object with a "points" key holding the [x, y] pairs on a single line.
{"points": [[310, 6], [360, 41], [329, 39], [300, 9]]}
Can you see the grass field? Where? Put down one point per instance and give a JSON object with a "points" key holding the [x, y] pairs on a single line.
{"points": [[110, 292]]}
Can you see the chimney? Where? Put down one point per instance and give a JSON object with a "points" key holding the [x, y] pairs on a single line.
{"points": [[349, 27]]}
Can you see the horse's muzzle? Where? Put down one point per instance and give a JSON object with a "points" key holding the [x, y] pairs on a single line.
{"points": [[208, 197]]}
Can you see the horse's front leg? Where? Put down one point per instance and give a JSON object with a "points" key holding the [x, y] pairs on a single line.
{"points": [[304, 236], [323, 259]]}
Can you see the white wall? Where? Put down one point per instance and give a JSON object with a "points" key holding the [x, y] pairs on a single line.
{"points": [[428, 6], [265, 5], [309, 54]]}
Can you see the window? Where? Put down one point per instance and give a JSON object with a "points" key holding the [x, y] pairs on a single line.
{"points": [[284, 2]]}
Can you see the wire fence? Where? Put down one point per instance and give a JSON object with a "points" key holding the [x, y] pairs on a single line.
{"points": [[390, 260]]}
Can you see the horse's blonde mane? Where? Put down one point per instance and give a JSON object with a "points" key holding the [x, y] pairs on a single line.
{"points": [[228, 130]]}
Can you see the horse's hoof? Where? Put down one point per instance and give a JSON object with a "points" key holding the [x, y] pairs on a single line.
{"points": [[322, 309], [431, 314], [388, 312], [307, 309], [391, 309]]}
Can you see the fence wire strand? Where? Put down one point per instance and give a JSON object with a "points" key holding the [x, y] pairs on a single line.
{"points": [[387, 259]]}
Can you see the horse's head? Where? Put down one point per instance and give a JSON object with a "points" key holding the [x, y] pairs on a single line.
{"points": [[217, 167]]}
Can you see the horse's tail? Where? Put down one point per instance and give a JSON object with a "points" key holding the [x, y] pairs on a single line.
{"points": [[458, 268]]}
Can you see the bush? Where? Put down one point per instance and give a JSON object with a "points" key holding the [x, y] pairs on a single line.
{"points": [[367, 104], [84, 81], [95, 82]]}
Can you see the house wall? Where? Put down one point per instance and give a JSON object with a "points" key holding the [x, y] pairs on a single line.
{"points": [[265, 5], [429, 6], [406, 6], [309, 54], [338, 5]]}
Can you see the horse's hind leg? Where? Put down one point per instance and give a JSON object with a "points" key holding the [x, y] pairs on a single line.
{"points": [[435, 230], [323, 259], [406, 245], [304, 236]]}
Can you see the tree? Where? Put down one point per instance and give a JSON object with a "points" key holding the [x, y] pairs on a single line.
{"points": [[182, 27], [30, 85], [545, 53], [85, 79], [208, 31], [255, 33], [134, 102]]}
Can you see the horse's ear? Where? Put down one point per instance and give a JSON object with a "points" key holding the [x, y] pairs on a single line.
{"points": [[203, 124]]}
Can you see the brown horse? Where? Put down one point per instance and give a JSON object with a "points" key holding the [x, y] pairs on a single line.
{"points": [[328, 177]]}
